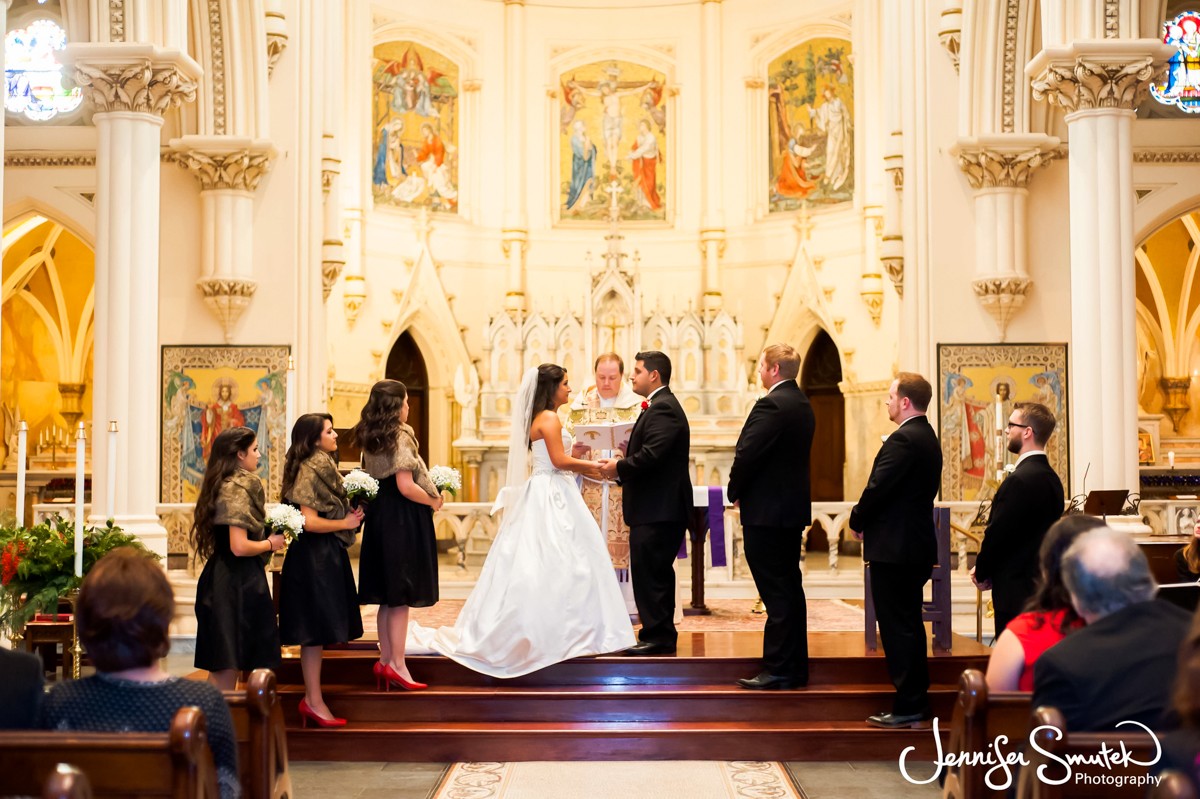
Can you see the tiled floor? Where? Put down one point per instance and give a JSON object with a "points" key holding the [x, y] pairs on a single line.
{"points": [[419, 780]]}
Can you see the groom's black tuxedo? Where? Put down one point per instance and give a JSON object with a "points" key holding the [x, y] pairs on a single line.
{"points": [[769, 480], [656, 498]]}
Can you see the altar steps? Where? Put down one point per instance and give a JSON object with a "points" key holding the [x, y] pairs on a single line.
{"points": [[685, 706]]}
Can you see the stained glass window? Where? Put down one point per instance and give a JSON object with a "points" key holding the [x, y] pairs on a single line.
{"points": [[33, 74], [1182, 86]]}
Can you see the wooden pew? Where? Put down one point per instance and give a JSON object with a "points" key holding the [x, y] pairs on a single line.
{"points": [[979, 718], [1137, 742], [67, 782], [1173, 785], [261, 738], [176, 764]]}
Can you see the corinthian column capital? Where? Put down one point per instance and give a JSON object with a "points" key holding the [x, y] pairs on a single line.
{"points": [[1109, 73], [224, 162], [132, 77], [1004, 161]]}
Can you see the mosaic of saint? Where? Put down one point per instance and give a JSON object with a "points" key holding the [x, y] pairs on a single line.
{"points": [[612, 127], [810, 94], [414, 154], [977, 390]]}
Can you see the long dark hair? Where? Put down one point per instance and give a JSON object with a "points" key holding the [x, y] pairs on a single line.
{"points": [[1187, 678], [222, 463], [306, 439], [1050, 593], [379, 424], [550, 377]]}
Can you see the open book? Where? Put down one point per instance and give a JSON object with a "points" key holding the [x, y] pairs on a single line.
{"points": [[603, 436]]}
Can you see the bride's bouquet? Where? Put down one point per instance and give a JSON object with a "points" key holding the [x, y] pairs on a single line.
{"points": [[286, 520], [360, 486], [446, 478]]}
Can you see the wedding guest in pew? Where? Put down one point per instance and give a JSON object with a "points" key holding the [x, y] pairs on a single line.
{"points": [[236, 629], [1121, 666], [21, 678], [318, 603], [1181, 747], [1187, 559], [1048, 615], [124, 610]]}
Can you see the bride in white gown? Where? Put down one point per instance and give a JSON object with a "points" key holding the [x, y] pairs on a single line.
{"points": [[547, 591]]}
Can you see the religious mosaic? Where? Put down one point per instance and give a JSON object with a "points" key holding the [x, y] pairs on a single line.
{"points": [[1182, 84], [978, 384], [810, 92], [414, 155], [206, 390], [612, 138]]}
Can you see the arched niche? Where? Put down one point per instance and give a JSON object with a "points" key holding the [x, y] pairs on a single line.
{"points": [[820, 374], [406, 364]]}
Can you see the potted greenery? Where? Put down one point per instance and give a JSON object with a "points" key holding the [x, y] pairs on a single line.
{"points": [[37, 565]]}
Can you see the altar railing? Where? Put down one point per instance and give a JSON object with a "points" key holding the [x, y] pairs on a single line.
{"points": [[473, 529]]}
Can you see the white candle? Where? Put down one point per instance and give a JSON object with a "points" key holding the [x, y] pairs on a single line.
{"points": [[22, 433], [110, 479], [80, 446], [1171, 459], [289, 410], [999, 415]]}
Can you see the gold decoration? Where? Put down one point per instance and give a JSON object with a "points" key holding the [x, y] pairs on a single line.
{"points": [[1176, 405]]}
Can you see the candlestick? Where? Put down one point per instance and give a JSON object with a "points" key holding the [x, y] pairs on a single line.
{"points": [[999, 415], [22, 433], [289, 393], [1171, 459], [80, 446], [110, 479]]}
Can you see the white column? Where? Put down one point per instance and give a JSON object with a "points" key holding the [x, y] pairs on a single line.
{"points": [[515, 232], [229, 169], [1100, 83], [1000, 168], [712, 223], [332, 258], [130, 87]]}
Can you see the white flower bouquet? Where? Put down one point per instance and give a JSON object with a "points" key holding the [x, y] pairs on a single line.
{"points": [[286, 520], [360, 486], [446, 478]]}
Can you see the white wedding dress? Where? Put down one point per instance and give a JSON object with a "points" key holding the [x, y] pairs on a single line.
{"points": [[547, 591]]}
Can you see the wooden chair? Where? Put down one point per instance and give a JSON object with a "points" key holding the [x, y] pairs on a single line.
{"points": [[67, 782], [176, 764], [938, 611], [1173, 785], [979, 719], [1049, 731], [261, 738]]}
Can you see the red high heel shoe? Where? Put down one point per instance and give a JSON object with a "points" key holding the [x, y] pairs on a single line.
{"points": [[378, 671], [308, 714], [389, 675]]}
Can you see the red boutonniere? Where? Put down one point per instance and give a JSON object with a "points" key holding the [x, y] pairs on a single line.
{"points": [[645, 405]]}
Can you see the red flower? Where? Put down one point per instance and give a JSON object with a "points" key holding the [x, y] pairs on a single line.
{"points": [[645, 405], [8, 564]]}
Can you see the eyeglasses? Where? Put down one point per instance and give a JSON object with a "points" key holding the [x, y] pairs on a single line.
{"points": [[1014, 424]]}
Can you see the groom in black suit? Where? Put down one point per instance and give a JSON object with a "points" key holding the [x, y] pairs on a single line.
{"points": [[656, 500], [768, 482], [1026, 504]]}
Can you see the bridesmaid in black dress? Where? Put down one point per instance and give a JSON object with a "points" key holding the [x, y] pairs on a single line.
{"points": [[318, 604], [235, 618], [398, 566]]}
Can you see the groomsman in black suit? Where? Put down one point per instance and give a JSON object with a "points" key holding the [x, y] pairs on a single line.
{"points": [[1026, 504], [894, 519], [656, 500], [768, 482]]}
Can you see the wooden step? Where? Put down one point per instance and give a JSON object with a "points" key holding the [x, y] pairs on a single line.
{"points": [[635, 703], [354, 668], [458, 741]]}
